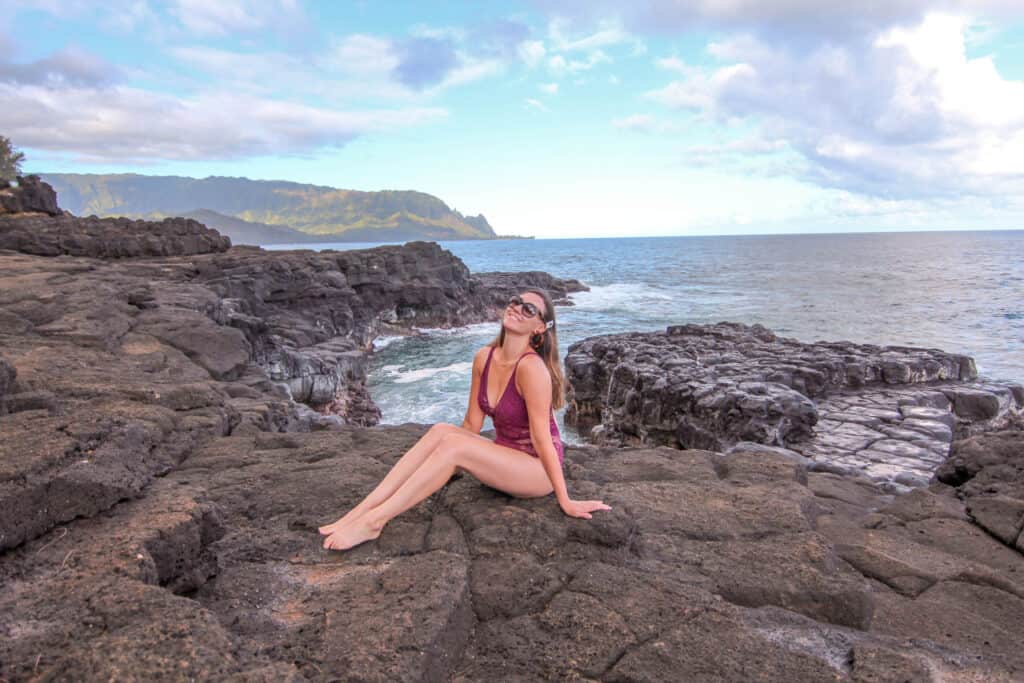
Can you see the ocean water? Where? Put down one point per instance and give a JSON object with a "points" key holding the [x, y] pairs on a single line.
{"points": [[959, 291]]}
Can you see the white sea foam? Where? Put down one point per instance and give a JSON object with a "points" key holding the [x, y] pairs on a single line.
{"points": [[476, 329], [620, 295], [410, 376], [382, 342]]}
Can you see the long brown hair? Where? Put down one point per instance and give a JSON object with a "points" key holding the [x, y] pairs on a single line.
{"points": [[546, 346]]}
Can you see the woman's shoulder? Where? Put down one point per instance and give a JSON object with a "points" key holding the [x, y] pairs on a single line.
{"points": [[480, 357], [532, 365]]}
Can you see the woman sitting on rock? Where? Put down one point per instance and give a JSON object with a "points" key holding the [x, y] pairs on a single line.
{"points": [[517, 381]]}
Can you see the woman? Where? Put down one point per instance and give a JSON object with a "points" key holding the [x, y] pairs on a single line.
{"points": [[517, 382]]}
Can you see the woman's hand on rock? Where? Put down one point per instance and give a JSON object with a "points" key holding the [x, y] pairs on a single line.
{"points": [[583, 508]]}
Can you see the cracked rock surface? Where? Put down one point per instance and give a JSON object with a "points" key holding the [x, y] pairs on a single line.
{"points": [[160, 493], [889, 413], [709, 567], [113, 371]]}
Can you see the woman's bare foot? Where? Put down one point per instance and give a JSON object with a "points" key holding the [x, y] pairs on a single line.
{"points": [[329, 529], [351, 535]]}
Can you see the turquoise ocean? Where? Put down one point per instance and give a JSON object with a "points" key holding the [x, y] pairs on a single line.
{"points": [[959, 291]]}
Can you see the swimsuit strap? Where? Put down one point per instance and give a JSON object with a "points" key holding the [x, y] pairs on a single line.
{"points": [[515, 368], [487, 365]]}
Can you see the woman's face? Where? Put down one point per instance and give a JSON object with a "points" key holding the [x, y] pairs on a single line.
{"points": [[516, 319]]}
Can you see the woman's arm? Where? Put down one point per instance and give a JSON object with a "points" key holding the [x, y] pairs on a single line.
{"points": [[474, 419], [535, 387]]}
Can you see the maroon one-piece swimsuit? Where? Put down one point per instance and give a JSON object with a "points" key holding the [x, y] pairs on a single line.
{"points": [[511, 421]]}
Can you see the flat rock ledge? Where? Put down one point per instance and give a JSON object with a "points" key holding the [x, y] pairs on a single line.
{"points": [[709, 567], [887, 412], [94, 237]]}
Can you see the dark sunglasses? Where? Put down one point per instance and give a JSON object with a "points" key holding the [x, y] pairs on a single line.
{"points": [[525, 306]]}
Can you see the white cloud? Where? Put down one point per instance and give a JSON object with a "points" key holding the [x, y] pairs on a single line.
{"points": [[537, 104], [904, 113], [356, 67], [531, 52], [362, 54], [225, 17], [131, 125], [68, 66], [607, 34], [785, 21], [560, 66], [131, 17], [549, 88], [470, 70]]}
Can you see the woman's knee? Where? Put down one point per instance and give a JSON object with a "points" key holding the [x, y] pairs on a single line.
{"points": [[442, 429], [451, 447]]}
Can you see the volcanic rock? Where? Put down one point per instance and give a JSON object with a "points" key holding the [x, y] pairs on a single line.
{"points": [[888, 412], [717, 567], [504, 285], [107, 237], [29, 195], [988, 473], [123, 366], [161, 495]]}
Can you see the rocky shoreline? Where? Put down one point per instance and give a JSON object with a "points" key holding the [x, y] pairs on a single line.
{"points": [[161, 491], [889, 413]]}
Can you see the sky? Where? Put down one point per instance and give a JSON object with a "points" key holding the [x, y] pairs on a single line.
{"points": [[553, 118]]}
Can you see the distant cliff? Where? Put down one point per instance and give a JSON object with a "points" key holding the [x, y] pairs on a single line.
{"points": [[247, 232], [327, 212]]}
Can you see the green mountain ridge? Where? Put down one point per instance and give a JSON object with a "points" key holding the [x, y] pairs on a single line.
{"points": [[246, 232], [327, 212]]}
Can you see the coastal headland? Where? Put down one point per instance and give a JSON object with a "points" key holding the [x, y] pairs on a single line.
{"points": [[178, 416]]}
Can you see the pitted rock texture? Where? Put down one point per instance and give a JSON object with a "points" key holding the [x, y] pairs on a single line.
{"points": [[899, 435], [708, 567], [310, 316], [112, 371], [107, 237], [888, 412], [504, 285], [988, 472], [29, 195]]}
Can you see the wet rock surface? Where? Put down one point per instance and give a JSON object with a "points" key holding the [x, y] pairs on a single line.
{"points": [[888, 412]]}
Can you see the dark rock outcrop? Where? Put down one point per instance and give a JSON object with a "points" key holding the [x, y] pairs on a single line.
{"points": [[30, 195], [124, 365], [710, 567], [504, 285], [161, 494], [988, 473], [888, 412], [107, 237]]}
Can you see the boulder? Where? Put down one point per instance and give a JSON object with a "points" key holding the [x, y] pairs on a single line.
{"points": [[29, 195], [889, 413]]}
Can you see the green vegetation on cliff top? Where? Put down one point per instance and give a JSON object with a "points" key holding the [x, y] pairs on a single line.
{"points": [[311, 209]]}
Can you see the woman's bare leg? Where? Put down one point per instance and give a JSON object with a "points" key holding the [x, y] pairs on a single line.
{"points": [[408, 464], [505, 469]]}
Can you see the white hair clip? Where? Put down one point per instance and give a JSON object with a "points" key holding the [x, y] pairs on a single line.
{"points": [[549, 324]]}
